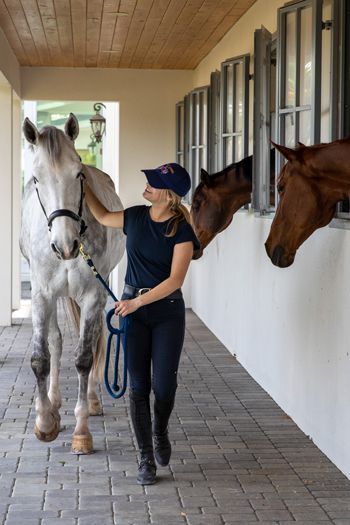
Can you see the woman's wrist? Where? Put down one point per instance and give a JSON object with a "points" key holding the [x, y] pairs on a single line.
{"points": [[138, 301]]}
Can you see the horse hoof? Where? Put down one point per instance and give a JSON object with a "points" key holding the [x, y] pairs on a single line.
{"points": [[95, 408], [48, 436], [82, 444]]}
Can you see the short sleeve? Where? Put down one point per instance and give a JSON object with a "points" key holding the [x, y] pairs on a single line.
{"points": [[129, 217], [185, 233]]}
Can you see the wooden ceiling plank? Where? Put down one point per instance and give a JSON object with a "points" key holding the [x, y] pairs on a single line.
{"points": [[93, 31], [12, 36], [153, 21], [32, 14], [136, 28], [191, 32], [121, 31], [64, 27], [235, 14], [214, 38], [162, 33], [109, 20], [157, 33], [177, 32], [48, 16], [16, 12], [78, 13], [200, 32], [199, 49]]}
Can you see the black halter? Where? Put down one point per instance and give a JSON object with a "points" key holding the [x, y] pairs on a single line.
{"points": [[63, 212]]}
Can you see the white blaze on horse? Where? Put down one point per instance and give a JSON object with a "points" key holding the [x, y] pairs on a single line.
{"points": [[54, 220]]}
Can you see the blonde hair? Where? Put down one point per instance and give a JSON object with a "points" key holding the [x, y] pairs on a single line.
{"points": [[181, 213]]}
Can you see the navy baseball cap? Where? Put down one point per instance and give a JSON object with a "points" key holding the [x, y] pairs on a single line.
{"points": [[169, 177]]}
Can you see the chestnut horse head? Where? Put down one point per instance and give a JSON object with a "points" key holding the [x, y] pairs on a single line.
{"points": [[218, 197], [311, 183]]}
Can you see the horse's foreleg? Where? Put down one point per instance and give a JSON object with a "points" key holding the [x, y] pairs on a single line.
{"points": [[90, 315], [47, 420], [95, 408], [55, 346]]}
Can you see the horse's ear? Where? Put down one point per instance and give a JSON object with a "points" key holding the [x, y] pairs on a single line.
{"points": [[30, 131], [71, 127], [205, 177], [288, 153]]}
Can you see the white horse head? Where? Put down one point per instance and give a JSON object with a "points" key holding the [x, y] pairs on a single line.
{"points": [[58, 179]]}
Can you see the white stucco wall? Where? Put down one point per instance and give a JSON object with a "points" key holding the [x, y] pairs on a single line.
{"points": [[288, 327], [9, 65]]}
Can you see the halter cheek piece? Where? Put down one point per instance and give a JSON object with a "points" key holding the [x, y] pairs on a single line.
{"points": [[63, 212]]}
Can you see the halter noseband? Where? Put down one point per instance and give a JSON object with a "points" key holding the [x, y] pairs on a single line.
{"points": [[63, 212]]}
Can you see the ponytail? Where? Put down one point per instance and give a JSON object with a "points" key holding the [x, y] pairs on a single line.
{"points": [[180, 211]]}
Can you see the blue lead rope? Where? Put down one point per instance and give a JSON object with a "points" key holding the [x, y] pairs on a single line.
{"points": [[113, 389]]}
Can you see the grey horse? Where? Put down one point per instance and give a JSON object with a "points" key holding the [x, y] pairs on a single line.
{"points": [[54, 220]]}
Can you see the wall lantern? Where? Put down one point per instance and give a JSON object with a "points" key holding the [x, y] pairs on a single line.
{"points": [[92, 145], [98, 123]]}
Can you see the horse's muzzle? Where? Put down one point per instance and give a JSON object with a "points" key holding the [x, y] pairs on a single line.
{"points": [[279, 257], [67, 253]]}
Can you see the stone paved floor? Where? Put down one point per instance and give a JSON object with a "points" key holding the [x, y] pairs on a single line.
{"points": [[238, 459]]}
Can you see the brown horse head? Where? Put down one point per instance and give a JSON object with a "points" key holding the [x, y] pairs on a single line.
{"points": [[218, 197], [310, 184]]}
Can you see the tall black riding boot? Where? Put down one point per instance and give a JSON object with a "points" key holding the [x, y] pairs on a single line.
{"points": [[141, 420], [162, 446]]}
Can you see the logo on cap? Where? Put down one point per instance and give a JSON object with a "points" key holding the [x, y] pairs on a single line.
{"points": [[165, 169]]}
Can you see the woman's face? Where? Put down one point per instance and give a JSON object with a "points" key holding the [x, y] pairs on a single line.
{"points": [[154, 195]]}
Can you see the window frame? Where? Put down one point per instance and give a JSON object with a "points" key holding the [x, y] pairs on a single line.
{"points": [[264, 43], [214, 122], [180, 148], [245, 61], [194, 142]]}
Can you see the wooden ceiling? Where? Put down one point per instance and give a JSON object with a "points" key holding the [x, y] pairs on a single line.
{"points": [[160, 34]]}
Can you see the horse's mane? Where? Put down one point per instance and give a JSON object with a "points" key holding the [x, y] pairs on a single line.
{"points": [[235, 165], [50, 138]]}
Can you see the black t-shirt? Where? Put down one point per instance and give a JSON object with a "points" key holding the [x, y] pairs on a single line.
{"points": [[149, 251]]}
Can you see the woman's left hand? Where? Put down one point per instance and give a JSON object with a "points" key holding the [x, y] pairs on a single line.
{"points": [[126, 306]]}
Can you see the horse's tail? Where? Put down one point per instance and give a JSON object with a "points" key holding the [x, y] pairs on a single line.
{"points": [[73, 313]]}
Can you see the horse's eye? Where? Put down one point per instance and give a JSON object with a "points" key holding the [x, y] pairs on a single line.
{"points": [[280, 188], [195, 206]]}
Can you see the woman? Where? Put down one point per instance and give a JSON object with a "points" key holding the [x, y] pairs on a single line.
{"points": [[160, 245]]}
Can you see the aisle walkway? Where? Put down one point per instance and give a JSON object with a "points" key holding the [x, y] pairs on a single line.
{"points": [[238, 459]]}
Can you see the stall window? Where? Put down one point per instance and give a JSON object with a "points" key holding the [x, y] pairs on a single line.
{"points": [[299, 73], [180, 133], [214, 122], [198, 134], [338, 38], [234, 109], [308, 73], [264, 121]]}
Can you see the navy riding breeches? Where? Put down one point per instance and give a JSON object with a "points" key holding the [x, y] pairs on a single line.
{"points": [[155, 340]]}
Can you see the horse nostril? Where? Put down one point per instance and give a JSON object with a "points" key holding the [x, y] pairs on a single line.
{"points": [[277, 255], [56, 250], [75, 245]]}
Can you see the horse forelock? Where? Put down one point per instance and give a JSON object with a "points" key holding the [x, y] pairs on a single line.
{"points": [[51, 139]]}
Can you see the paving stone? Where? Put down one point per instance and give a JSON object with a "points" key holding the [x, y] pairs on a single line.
{"points": [[237, 458]]}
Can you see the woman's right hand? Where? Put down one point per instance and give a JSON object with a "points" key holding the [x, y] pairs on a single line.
{"points": [[114, 219]]}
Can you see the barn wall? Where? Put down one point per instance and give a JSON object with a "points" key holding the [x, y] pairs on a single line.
{"points": [[288, 327], [9, 65]]}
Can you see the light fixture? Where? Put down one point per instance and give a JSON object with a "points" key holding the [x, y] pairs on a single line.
{"points": [[98, 123], [92, 145]]}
